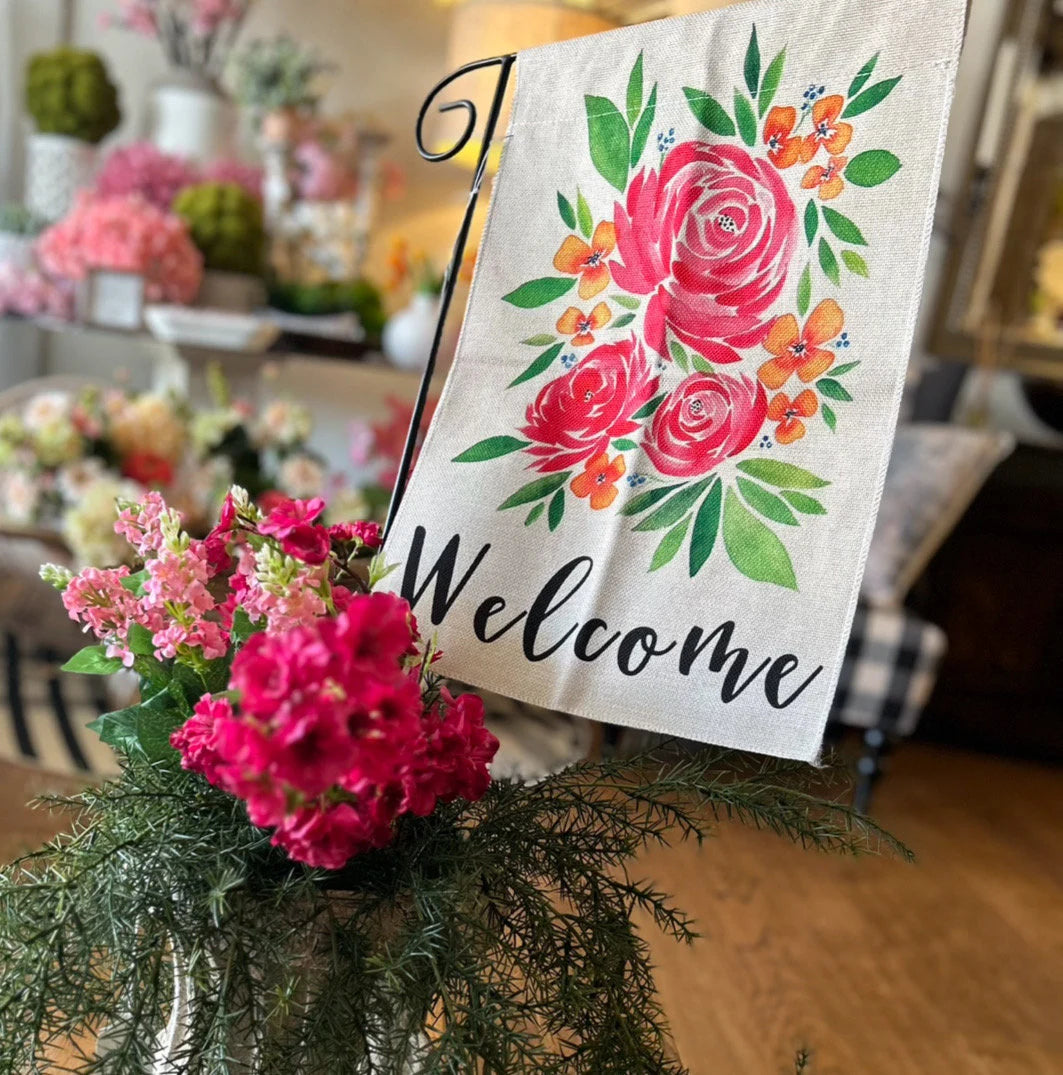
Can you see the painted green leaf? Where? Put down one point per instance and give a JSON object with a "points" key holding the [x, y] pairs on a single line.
{"points": [[770, 86], [92, 661], [557, 510], [629, 302], [833, 389], [747, 120], [855, 263], [709, 112], [491, 448], [807, 505], [768, 504], [872, 96], [623, 321], [752, 64], [649, 408], [535, 490], [634, 92], [610, 144], [675, 507], [535, 513], [837, 371], [829, 263], [583, 214], [670, 544], [829, 417], [804, 291], [862, 76], [700, 364], [643, 501], [541, 340], [543, 362], [641, 133], [623, 444], [706, 527], [843, 227], [811, 221], [564, 207], [753, 548], [678, 353], [872, 167], [539, 292], [781, 475]]}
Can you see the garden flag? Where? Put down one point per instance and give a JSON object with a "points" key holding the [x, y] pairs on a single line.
{"points": [[649, 488]]}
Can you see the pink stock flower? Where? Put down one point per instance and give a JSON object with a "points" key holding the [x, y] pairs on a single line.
{"points": [[30, 293], [97, 598], [141, 523], [369, 534], [292, 524], [331, 741], [710, 239]]}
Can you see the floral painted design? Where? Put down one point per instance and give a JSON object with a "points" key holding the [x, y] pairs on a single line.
{"points": [[694, 357]]}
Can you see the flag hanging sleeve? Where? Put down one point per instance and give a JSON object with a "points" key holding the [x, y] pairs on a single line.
{"points": [[649, 488]]}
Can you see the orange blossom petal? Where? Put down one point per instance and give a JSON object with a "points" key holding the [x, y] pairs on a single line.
{"points": [[806, 404], [832, 188], [594, 280], [773, 374], [600, 315], [813, 177], [828, 108], [604, 239], [842, 136], [782, 335], [824, 323], [816, 363], [571, 256], [603, 496], [789, 430], [780, 123], [569, 321], [778, 407]]}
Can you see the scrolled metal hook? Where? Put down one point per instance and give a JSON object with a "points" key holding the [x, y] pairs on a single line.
{"points": [[465, 105]]}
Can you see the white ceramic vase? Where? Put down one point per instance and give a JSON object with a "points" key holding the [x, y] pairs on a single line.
{"points": [[191, 119], [57, 166], [408, 335], [16, 250]]}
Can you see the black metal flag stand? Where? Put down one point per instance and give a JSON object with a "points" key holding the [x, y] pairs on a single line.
{"points": [[505, 66]]}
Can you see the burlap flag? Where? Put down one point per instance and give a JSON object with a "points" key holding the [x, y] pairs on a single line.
{"points": [[649, 488]]}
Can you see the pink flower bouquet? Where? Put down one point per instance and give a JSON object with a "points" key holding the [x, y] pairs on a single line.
{"points": [[125, 234], [284, 680]]}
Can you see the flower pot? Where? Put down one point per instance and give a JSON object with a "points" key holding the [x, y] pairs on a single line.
{"points": [[112, 299], [57, 166], [234, 291], [408, 335], [16, 250], [191, 119]]}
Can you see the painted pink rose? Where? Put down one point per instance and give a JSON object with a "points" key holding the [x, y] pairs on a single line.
{"points": [[575, 416], [710, 237], [704, 420]]}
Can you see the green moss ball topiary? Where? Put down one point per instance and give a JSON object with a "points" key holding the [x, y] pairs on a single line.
{"points": [[68, 91], [226, 225]]}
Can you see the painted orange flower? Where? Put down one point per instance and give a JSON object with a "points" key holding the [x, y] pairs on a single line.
{"points": [[788, 413], [576, 258], [598, 480], [826, 129], [580, 326], [801, 352], [827, 181], [784, 148]]}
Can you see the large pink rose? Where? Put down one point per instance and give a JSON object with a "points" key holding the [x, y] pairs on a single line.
{"points": [[575, 416], [704, 420], [710, 237]]}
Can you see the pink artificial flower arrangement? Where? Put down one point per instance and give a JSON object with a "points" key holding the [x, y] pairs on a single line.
{"points": [[316, 703], [124, 234], [31, 293], [141, 168]]}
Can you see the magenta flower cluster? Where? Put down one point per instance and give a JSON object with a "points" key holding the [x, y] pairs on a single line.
{"points": [[331, 727], [142, 169]]}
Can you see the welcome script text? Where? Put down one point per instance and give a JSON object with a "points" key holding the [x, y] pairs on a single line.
{"points": [[545, 628]]}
